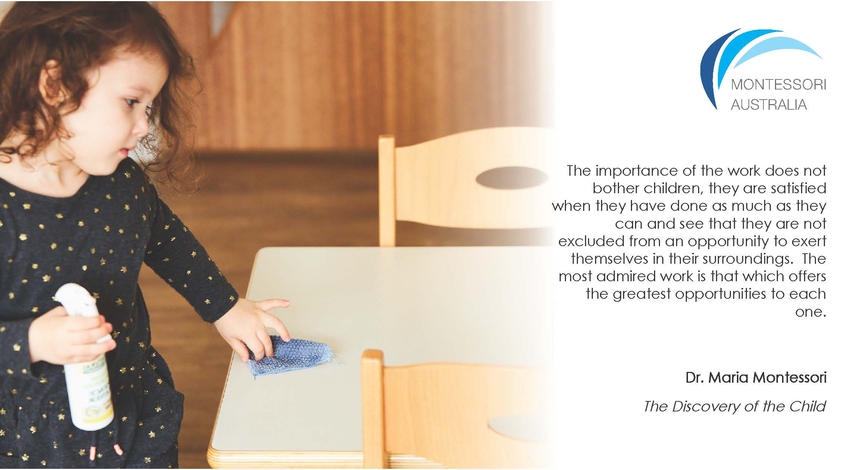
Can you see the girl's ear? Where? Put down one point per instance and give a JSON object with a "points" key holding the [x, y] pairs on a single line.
{"points": [[50, 84]]}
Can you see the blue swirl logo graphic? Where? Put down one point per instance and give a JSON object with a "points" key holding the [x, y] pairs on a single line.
{"points": [[736, 45]]}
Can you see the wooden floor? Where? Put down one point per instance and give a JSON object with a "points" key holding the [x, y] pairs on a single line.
{"points": [[247, 202]]}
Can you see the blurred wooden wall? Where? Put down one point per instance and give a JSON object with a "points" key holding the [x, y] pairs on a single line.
{"points": [[322, 76]]}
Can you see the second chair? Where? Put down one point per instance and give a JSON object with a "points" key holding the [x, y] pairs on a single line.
{"points": [[445, 413], [483, 179]]}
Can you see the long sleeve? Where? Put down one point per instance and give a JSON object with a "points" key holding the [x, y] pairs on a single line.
{"points": [[14, 344], [97, 238], [179, 259]]}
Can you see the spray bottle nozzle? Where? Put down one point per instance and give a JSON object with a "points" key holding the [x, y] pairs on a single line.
{"points": [[77, 301]]}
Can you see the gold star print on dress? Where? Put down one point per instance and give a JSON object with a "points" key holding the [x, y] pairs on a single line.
{"points": [[100, 243]]}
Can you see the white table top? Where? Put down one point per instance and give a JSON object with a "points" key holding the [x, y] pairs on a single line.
{"points": [[418, 304]]}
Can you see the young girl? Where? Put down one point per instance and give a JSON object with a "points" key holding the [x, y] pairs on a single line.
{"points": [[81, 85]]}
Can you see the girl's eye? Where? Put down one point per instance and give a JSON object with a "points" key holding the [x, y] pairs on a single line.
{"points": [[131, 102]]}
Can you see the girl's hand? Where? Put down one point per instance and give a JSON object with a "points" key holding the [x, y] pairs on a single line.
{"points": [[58, 338], [245, 325]]}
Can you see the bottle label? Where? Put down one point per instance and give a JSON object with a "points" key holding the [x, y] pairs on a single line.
{"points": [[88, 391]]}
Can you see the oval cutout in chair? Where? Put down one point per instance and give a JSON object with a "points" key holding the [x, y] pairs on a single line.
{"points": [[512, 177], [532, 428]]}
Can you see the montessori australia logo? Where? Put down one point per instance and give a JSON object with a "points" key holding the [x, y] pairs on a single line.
{"points": [[773, 92]]}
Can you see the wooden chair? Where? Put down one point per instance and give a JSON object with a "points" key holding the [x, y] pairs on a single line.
{"points": [[489, 178], [440, 412]]}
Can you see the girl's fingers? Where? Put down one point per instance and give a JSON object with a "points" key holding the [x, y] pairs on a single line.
{"points": [[85, 323], [96, 334], [240, 349], [108, 345], [273, 322], [89, 336], [267, 344], [256, 346], [90, 352], [269, 304]]}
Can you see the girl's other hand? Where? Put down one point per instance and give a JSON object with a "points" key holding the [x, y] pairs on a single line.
{"points": [[244, 327], [59, 338]]}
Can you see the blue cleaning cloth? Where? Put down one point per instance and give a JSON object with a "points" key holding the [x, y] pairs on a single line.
{"points": [[293, 355]]}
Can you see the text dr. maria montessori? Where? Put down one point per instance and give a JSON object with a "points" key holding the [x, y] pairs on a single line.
{"points": [[755, 377]]}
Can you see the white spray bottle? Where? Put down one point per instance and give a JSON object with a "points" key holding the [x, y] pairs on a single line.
{"points": [[88, 382]]}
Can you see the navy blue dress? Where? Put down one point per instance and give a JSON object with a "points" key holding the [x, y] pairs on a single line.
{"points": [[97, 238]]}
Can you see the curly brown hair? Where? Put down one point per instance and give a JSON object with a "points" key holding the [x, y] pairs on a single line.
{"points": [[80, 37]]}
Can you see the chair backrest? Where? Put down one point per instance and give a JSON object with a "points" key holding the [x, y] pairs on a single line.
{"points": [[440, 412], [489, 178]]}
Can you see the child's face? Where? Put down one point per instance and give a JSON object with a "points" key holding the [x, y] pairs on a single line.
{"points": [[112, 115]]}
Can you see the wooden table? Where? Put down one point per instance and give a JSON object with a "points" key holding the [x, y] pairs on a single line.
{"points": [[420, 304]]}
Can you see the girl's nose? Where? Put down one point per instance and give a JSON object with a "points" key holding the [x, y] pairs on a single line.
{"points": [[142, 126]]}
